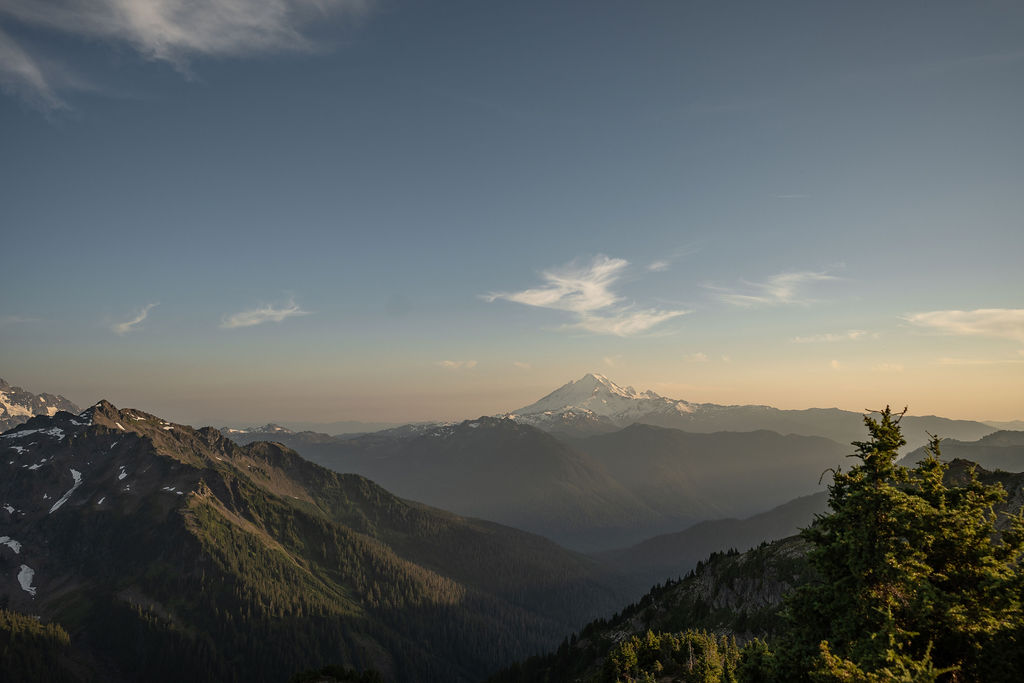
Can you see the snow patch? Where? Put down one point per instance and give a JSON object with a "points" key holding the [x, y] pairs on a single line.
{"points": [[101, 500], [9, 508], [63, 499], [22, 433], [11, 543], [20, 449], [25, 579], [55, 432], [122, 474], [120, 426], [13, 408], [114, 444]]}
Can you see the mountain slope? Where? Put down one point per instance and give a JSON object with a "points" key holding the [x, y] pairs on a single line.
{"points": [[594, 405], [495, 469], [671, 555], [18, 405], [1002, 450], [732, 593], [168, 553], [724, 474]]}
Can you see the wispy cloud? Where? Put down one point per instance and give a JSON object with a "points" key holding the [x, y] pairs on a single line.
{"points": [[17, 319], [572, 288], [829, 337], [131, 325], [888, 367], [172, 31], [836, 365], [625, 322], [22, 75], [457, 364], [658, 266], [521, 365], [262, 314], [586, 291], [698, 357], [980, 361], [792, 196], [784, 288], [1006, 323]]}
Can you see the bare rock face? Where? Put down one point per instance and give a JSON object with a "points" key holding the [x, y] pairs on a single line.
{"points": [[18, 405]]}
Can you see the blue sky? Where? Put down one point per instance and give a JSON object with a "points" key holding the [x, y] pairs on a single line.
{"points": [[286, 210]]}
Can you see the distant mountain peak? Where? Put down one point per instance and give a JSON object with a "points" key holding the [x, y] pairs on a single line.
{"points": [[595, 402], [17, 406]]}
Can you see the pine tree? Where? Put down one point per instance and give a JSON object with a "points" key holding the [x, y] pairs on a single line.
{"points": [[915, 583]]}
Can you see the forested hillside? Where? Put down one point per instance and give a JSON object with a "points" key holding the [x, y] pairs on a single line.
{"points": [[913, 575], [154, 550]]}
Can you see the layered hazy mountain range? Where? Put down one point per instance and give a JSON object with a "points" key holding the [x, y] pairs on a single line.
{"points": [[152, 549], [595, 466], [172, 553], [595, 404]]}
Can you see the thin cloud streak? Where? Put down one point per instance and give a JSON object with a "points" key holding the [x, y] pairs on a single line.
{"points": [[979, 361], [625, 323], [23, 76], [457, 364], [263, 314], [831, 337], [130, 325], [784, 288], [1004, 323], [572, 288], [586, 292], [17, 320], [171, 31]]}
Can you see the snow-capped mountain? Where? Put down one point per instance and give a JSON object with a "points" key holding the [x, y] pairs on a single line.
{"points": [[594, 403], [18, 405], [269, 428]]}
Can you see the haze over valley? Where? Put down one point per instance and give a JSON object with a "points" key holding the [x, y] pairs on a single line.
{"points": [[375, 341]]}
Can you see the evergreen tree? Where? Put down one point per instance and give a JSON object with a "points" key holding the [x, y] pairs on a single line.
{"points": [[914, 581]]}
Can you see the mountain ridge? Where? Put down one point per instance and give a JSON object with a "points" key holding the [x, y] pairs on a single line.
{"points": [[594, 405], [119, 525], [18, 405]]}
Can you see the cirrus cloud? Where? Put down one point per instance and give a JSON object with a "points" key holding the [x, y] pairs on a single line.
{"points": [[172, 31], [829, 337], [262, 314], [131, 325], [586, 292], [1005, 323], [784, 288], [457, 364]]}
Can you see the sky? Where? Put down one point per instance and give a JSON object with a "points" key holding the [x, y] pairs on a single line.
{"points": [[231, 213]]}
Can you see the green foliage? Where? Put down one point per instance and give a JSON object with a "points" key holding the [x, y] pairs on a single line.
{"points": [[31, 650], [756, 664], [914, 581], [688, 657], [913, 576]]}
